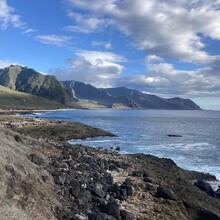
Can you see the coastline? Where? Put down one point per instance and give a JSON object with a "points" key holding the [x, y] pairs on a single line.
{"points": [[82, 178]]}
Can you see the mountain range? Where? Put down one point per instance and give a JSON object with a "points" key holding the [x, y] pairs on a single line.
{"points": [[80, 95], [126, 98]]}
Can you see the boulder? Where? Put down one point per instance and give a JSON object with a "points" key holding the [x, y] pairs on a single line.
{"points": [[18, 138], [148, 180], [98, 192], [35, 158], [75, 188], [204, 186], [60, 179], [112, 208], [137, 174], [117, 148], [125, 215], [217, 193], [60, 165], [101, 216], [165, 193], [128, 187]]}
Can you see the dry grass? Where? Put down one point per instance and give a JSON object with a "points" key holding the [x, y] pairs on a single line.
{"points": [[10, 99]]}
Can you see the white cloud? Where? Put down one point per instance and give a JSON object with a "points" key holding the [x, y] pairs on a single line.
{"points": [[86, 24], [96, 5], [5, 63], [57, 40], [173, 29], [29, 30], [7, 16], [94, 67], [163, 78], [153, 58], [106, 45], [164, 28]]}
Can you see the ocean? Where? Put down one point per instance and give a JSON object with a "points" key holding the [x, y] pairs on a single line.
{"points": [[194, 145]]}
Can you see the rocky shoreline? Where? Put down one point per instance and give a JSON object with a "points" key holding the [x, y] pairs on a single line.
{"points": [[44, 177]]}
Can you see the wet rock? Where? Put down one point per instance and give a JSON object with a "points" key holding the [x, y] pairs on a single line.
{"points": [[112, 208], [165, 193], [35, 158], [174, 135], [125, 215], [117, 148], [204, 186]]}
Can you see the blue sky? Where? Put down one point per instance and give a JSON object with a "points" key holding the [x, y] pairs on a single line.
{"points": [[168, 48]]}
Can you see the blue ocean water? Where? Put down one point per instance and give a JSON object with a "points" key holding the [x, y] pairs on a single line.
{"points": [[146, 131]]}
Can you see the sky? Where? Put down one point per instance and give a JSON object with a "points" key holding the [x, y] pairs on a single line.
{"points": [[164, 47]]}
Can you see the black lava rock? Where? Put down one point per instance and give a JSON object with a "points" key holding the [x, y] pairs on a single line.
{"points": [[165, 193], [217, 193], [18, 138], [204, 186], [112, 208], [137, 174], [60, 179], [125, 215]]}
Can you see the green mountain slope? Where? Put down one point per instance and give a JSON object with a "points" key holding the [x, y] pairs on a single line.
{"points": [[126, 98], [10, 99], [28, 80]]}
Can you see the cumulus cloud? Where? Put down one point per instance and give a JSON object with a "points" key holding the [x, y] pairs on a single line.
{"points": [[173, 29], [170, 28], [7, 16], [153, 58], [163, 78], [94, 67], [57, 40]]}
